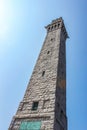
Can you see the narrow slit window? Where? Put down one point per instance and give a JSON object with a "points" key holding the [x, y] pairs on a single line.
{"points": [[61, 111], [58, 24], [61, 114], [49, 29], [48, 52], [55, 26], [43, 73], [51, 39], [52, 27], [35, 105]]}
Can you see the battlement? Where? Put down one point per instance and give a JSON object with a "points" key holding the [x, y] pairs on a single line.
{"points": [[57, 24]]}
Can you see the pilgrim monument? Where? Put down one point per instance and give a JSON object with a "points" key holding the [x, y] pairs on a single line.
{"points": [[44, 103]]}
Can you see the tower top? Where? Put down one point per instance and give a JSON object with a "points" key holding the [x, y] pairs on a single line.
{"points": [[57, 24]]}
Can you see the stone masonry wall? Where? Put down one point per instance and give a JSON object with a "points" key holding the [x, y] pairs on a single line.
{"points": [[60, 103], [42, 87]]}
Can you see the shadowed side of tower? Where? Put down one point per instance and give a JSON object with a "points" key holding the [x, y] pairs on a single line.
{"points": [[44, 104]]}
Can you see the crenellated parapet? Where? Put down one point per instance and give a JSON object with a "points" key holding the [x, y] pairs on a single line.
{"points": [[57, 24]]}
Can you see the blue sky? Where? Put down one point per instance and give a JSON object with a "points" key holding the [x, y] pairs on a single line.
{"points": [[21, 37]]}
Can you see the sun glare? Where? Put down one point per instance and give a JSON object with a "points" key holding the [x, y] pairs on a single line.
{"points": [[4, 25], [1, 9]]}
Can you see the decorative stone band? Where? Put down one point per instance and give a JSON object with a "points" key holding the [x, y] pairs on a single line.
{"points": [[44, 115]]}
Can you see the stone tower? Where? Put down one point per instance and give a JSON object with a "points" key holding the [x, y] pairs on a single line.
{"points": [[44, 104]]}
